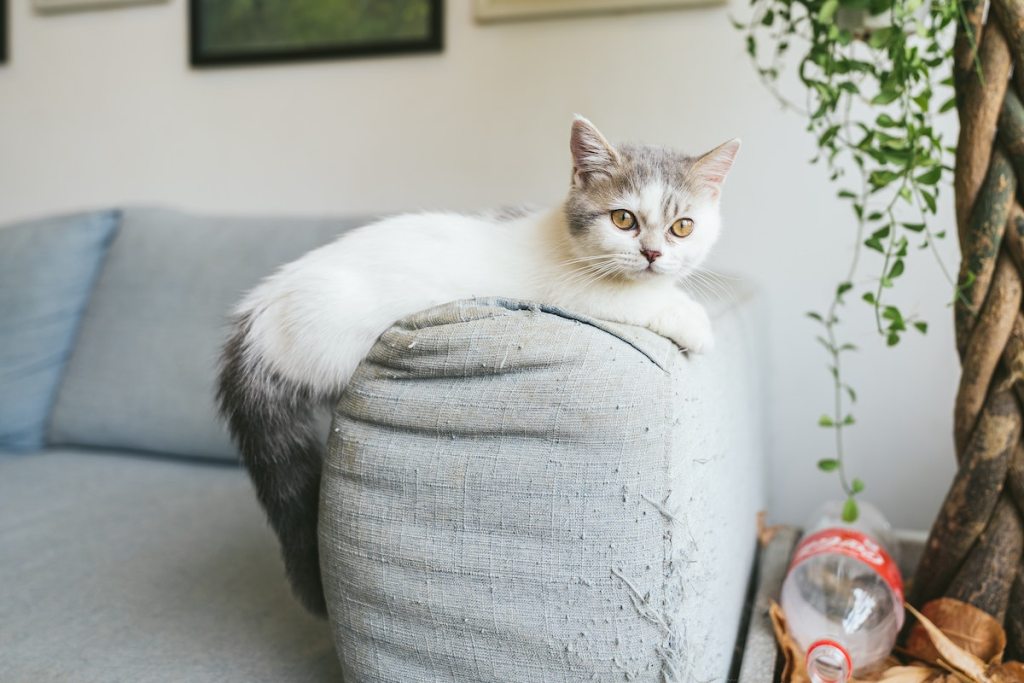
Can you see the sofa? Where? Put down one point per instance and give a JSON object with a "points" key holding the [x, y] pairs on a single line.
{"points": [[512, 492]]}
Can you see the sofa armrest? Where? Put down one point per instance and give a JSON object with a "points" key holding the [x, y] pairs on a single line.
{"points": [[516, 493]]}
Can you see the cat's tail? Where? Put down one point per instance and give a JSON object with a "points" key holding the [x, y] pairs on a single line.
{"points": [[273, 422]]}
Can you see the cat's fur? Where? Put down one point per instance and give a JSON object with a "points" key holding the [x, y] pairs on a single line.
{"points": [[299, 335]]}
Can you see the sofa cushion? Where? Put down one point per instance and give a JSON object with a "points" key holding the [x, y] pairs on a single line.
{"points": [[146, 570], [143, 371], [47, 271], [513, 493]]}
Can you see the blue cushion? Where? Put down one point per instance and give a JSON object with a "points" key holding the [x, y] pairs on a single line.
{"points": [[143, 373], [47, 270]]}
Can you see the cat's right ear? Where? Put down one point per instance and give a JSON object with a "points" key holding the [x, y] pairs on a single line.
{"points": [[592, 155]]}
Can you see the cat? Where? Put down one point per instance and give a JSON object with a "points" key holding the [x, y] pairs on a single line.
{"points": [[636, 222]]}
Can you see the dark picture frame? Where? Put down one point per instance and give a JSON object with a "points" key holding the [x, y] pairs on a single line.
{"points": [[3, 31], [202, 55]]}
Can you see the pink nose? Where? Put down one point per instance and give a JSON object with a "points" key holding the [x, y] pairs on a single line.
{"points": [[650, 255]]}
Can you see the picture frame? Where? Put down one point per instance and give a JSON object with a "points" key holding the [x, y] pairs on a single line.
{"points": [[54, 6], [205, 52], [3, 31], [487, 11]]}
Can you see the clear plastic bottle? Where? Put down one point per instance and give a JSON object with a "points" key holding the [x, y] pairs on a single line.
{"points": [[843, 594]]}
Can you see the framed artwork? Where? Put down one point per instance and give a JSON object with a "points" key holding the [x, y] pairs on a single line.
{"points": [[502, 10], [249, 31], [72, 5]]}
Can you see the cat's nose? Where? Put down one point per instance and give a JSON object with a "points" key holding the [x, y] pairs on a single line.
{"points": [[650, 254]]}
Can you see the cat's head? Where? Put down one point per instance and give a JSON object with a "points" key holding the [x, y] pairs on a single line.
{"points": [[640, 212]]}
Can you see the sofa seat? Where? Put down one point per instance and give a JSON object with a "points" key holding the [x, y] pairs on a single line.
{"points": [[118, 566]]}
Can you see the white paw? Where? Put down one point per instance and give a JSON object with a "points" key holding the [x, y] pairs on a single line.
{"points": [[690, 328]]}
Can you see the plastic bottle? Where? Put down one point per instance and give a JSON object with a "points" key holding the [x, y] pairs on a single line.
{"points": [[843, 594]]}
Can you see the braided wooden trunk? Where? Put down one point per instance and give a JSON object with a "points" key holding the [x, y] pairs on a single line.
{"points": [[974, 551]]}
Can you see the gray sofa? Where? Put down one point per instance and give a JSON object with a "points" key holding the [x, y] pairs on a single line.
{"points": [[132, 548]]}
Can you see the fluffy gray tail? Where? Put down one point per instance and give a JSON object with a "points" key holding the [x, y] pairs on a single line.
{"points": [[273, 422]]}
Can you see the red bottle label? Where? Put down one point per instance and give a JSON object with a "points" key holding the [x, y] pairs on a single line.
{"points": [[856, 545]]}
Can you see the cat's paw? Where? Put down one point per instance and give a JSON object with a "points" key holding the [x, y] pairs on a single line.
{"points": [[689, 327]]}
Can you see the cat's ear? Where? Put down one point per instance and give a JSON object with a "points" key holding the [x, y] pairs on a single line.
{"points": [[713, 167], [592, 155]]}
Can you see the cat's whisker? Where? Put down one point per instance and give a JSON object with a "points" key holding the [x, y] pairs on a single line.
{"points": [[590, 275], [715, 273], [588, 258], [585, 272], [707, 290]]}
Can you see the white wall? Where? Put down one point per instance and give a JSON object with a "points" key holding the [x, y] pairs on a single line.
{"points": [[100, 108]]}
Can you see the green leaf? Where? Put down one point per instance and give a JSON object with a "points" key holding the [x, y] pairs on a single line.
{"points": [[814, 316], [896, 270], [826, 421], [930, 177], [892, 339], [828, 465], [851, 393], [857, 485], [828, 10], [885, 97], [914, 227], [879, 179], [929, 199], [850, 511], [869, 297], [922, 327], [880, 37], [947, 105], [843, 288], [886, 121]]}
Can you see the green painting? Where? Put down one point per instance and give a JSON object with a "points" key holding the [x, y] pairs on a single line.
{"points": [[225, 31]]}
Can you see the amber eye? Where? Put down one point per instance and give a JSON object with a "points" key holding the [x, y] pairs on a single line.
{"points": [[623, 219], [682, 227]]}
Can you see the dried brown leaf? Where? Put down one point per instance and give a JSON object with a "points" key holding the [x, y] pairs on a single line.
{"points": [[795, 670], [1008, 672], [966, 626], [908, 674], [765, 533], [959, 659]]}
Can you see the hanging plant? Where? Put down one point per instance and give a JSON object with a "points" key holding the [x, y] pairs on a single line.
{"points": [[870, 71]]}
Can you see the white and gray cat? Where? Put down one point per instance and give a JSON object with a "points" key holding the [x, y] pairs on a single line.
{"points": [[636, 222]]}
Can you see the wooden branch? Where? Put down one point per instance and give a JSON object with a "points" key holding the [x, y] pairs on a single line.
{"points": [[1015, 477], [986, 577], [1015, 620], [1013, 235], [981, 243], [1010, 15], [979, 112], [968, 36], [988, 340], [972, 497]]}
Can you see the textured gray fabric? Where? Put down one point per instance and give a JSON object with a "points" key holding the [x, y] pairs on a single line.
{"points": [[142, 373], [117, 568], [519, 494]]}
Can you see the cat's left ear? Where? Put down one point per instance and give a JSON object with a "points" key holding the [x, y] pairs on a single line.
{"points": [[713, 167]]}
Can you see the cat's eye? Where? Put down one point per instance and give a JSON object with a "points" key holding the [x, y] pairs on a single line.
{"points": [[623, 220], [682, 227]]}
